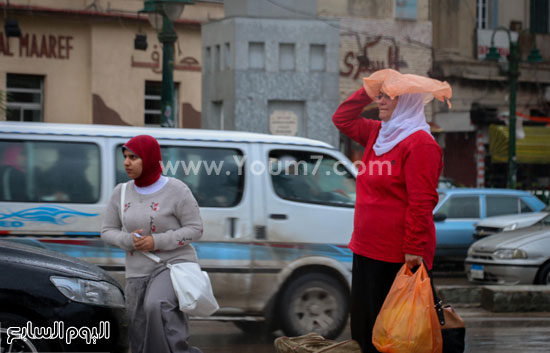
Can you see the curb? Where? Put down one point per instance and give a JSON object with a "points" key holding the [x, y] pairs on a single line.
{"points": [[460, 294], [515, 298], [502, 299], [477, 317]]}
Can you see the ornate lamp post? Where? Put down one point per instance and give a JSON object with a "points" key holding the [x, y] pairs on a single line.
{"points": [[162, 14], [513, 74]]}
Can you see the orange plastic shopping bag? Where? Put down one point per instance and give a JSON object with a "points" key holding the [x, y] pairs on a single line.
{"points": [[393, 83], [407, 322]]}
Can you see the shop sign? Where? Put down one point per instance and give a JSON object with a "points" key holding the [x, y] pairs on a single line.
{"points": [[32, 45]]}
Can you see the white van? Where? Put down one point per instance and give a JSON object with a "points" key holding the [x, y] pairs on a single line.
{"points": [[277, 212]]}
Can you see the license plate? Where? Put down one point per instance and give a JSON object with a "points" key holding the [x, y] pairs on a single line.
{"points": [[476, 271]]}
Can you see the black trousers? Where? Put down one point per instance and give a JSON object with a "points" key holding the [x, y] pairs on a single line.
{"points": [[371, 282]]}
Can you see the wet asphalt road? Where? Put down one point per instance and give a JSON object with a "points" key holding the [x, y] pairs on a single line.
{"points": [[486, 332], [517, 333]]}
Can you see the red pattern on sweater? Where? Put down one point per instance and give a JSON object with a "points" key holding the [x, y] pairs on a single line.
{"points": [[396, 192]]}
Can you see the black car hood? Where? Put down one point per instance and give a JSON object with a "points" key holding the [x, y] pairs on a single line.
{"points": [[13, 252]]}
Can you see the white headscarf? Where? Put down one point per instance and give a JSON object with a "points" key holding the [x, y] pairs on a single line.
{"points": [[407, 118]]}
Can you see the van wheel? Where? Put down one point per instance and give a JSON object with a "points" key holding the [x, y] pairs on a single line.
{"points": [[19, 345], [314, 302], [544, 274]]}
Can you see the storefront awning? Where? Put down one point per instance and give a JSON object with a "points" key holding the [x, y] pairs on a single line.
{"points": [[533, 148]]}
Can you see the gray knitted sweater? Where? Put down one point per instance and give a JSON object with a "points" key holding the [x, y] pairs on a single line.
{"points": [[171, 215]]}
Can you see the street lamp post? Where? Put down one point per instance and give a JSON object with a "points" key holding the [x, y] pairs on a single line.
{"points": [[167, 37], [513, 74], [162, 14]]}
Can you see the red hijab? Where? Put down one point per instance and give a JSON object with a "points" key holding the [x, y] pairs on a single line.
{"points": [[148, 149]]}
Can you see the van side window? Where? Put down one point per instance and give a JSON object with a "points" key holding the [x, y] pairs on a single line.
{"points": [[49, 171], [311, 177], [212, 174]]}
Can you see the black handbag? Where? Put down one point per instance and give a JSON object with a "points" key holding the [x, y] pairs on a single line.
{"points": [[453, 329]]}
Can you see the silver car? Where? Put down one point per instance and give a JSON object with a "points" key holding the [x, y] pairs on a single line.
{"points": [[515, 257], [497, 224]]}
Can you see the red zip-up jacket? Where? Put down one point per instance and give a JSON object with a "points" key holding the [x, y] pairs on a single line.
{"points": [[396, 192]]}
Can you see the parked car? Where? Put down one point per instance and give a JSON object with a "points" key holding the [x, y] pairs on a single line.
{"points": [[492, 225], [459, 209], [42, 290], [516, 257]]}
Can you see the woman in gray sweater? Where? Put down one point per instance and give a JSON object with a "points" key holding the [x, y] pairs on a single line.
{"points": [[160, 215]]}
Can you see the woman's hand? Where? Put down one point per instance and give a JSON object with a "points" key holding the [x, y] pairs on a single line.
{"points": [[413, 260], [143, 242]]}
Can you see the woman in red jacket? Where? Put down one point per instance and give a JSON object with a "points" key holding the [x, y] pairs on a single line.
{"points": [[396, 194]]}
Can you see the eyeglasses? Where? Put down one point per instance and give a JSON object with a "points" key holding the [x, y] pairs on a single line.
{"points": [[381, 96]]}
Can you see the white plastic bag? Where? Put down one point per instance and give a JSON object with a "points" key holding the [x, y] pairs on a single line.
{"points": [[193, 289]]}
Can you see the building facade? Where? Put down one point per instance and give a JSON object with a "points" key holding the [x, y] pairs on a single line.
{"points": [[271, 67], [75, 62], [474, 134], [283, 66]]}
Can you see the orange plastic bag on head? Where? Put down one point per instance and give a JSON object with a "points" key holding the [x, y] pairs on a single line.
{"points": [[393, 83], [407, 322]]}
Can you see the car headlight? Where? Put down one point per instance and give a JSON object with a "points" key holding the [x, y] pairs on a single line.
{"points": [[470, 251], [89, 292], [504, 254], [510, 227]]}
